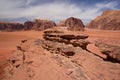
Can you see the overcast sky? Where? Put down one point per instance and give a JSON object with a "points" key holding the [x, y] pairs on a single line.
{"points": [[22, 10]]}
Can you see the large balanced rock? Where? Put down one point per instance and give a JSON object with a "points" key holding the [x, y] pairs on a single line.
{"points": [[74, 24], [5, 26], [109, 20]]}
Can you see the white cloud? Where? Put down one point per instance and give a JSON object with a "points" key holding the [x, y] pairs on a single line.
{"points": [[55, 11], [111, 5]]}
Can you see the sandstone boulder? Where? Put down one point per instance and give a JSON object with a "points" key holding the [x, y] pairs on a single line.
{"points": [[109, 20], [74, 24]]}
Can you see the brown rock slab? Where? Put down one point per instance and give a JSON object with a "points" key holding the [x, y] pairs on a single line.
{"points": [[112, 52]]}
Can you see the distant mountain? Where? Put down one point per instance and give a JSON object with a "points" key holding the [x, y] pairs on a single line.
{"points": [[109, 20]]}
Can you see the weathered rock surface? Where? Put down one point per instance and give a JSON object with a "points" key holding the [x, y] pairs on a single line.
{"points": [[112, 51], [4, 26], [66, 37], [37, 58], [74, 24], [109, 20]]}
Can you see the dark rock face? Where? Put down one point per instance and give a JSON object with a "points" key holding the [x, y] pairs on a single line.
{"points": [[109, 20], [11, 26], [40, 25], [74, 24]]}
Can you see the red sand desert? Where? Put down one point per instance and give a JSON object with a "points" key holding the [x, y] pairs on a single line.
{"points": [[9, 41]]}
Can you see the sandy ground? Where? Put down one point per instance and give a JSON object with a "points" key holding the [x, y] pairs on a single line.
{"points": [[9, 40]]}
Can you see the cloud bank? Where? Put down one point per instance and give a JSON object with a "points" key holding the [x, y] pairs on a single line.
{"points": [[54, 9]]}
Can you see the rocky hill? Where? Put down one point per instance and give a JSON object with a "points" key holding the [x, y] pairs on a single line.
{"points": [[39, 24], [62, 55], [4, 26], [74, 24], [109, 20]]}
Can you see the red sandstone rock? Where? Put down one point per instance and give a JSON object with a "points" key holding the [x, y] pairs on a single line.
{"points": [[109, 20], [74, 24], [28, 25], [42, 24]]}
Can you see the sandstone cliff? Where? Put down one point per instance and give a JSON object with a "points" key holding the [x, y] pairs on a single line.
{"points": [[109, 20]]}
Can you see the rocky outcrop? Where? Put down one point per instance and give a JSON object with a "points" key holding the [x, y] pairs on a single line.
{"points": [[66, 37], [112, 51], [109, 20], [4, 26], [57, 57], [74, 24], [40, 25]]}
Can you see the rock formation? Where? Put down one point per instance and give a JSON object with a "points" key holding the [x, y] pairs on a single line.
{"points": [[37, 25], [28, 25], [4, 26], [61, 55], [109, 20], [112, 51], [74, 24], [40, 25]]}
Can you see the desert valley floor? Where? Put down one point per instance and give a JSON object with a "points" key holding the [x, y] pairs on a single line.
{"points": [[9, 40]]}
